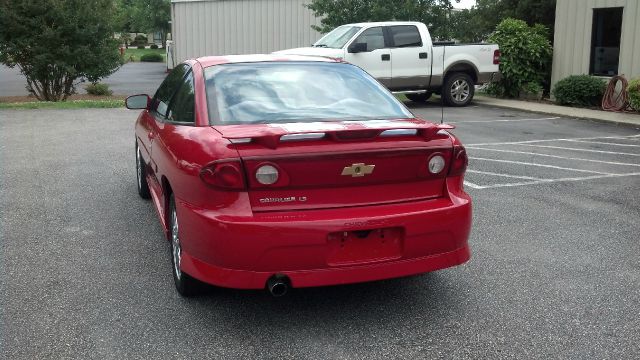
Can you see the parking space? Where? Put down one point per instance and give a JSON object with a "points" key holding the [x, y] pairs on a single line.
{"points": [[554, 270]]}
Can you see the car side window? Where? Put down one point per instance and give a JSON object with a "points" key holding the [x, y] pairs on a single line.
{"points": [[160, 102], [182, 106], [373, 37], [405, 36]]}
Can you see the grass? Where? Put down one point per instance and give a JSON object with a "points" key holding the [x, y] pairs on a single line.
{"points": [[134, 54], [71, 104]]}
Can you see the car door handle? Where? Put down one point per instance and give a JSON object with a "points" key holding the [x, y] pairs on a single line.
{"points": [[423, 55], [385, 57]]}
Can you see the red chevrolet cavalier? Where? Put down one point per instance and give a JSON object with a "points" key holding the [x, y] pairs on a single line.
{"points": [[278, 172]]}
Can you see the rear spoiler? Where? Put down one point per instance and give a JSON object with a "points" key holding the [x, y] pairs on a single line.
{"points": [[270, 135]]}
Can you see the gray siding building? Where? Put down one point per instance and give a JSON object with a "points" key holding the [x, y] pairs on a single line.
{"points": [[222, 27], [596, 37]]}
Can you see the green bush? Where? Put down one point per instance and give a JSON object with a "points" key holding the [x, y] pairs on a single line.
{"points": [[98, 89], [579, 90], [141, 47], [525, 56], [153, 46], [634, 93], [152, 57]]}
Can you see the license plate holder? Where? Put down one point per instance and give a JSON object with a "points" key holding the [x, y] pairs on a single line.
{"points": [[364, 246]]}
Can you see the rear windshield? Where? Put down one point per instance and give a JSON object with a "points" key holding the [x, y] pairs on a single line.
{"points": [[272, 92]]}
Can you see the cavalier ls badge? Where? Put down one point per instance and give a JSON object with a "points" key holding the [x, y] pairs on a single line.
{"points": [[358, 170]]}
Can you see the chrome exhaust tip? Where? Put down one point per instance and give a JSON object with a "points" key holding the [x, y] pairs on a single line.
{"points": [[278, 285]]}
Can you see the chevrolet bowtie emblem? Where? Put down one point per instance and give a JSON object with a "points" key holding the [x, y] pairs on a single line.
{"points": [[358, 170]]}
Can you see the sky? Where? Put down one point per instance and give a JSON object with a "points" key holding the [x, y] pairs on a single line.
{"points": [[463, 4]]}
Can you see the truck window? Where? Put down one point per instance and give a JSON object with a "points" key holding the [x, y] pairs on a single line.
{"points": [[373, 37], [405, 36]]}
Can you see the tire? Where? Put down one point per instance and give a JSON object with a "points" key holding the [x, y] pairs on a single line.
{"points": [[458, 89], [141, 175], [419, 97], [185, 284]]}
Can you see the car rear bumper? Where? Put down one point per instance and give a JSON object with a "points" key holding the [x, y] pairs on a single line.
{"points": [[244, 252]]}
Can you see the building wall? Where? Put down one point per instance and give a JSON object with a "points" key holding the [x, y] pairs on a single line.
{"points": [[222, 27], [572, 42]]}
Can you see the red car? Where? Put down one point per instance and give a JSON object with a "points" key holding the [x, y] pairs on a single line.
{"points": [[289, 171]]}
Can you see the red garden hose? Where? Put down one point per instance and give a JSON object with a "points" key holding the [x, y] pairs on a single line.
{"points": [[612, 101]]}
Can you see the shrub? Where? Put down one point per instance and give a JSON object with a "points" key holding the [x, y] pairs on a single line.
{"points": [[579, 90], [153, 46], [525, 55], [141, 47], [152, 57], [98, 89], [634, 93]]}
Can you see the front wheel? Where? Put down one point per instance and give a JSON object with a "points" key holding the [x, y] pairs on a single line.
{"points": [[458, 89], [141, 174], [185, 284]]}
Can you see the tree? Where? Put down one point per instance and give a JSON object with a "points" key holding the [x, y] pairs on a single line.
{"points": [[434, 13], [58, 43], [151, 16], [477, 23]]}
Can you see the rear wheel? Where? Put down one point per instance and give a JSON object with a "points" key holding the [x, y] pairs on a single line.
{"points": [[458, 89], [185, 284], [419, 97], [141, 175]]}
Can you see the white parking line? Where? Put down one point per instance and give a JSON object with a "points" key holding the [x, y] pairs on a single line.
{"points": [[500, 120], [472, 185], [578, 149], [553, 156], [630, 137], [603, 143], [543, 165], [503, 175], [546, 181]]}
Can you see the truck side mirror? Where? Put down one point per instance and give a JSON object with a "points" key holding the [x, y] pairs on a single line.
{"points": [[357, 48]]}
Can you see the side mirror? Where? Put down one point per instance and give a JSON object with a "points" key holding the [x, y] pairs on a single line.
{"points": [[357, 48], [135, 102]]}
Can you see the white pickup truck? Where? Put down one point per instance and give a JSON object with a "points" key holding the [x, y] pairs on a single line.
{"points": [[402, 56]]}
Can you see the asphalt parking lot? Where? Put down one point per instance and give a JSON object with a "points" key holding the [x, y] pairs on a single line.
{"points": [[555, 271]]}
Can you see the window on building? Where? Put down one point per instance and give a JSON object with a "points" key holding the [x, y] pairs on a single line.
{"points": [[605, 41]]}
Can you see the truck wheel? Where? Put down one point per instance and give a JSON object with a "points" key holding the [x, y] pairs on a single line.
{"points": [[419, 97], [458, 89]]}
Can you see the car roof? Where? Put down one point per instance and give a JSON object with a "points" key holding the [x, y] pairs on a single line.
{"points": [[385, 23], [234, 59]]}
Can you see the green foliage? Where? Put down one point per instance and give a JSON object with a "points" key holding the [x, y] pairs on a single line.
{"points": [[141, 39], [634, 93], [56, 44], [579, 90], [526, 55], [434, 13], [152, 58], [153, 46], [98, 89], [476, 24]]}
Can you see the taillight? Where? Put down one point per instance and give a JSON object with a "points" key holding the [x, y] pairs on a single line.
{"points": [[496, 57], [436, 164], [460, 161], [227, 175], [267, 174]]}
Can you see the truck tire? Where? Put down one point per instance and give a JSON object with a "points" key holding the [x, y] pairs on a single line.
{"points": [[458, 89], [419, 97]]}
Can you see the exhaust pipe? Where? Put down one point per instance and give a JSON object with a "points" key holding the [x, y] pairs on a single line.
{"points": [[278, 285]]}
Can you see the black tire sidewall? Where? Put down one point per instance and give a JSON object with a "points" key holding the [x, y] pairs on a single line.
{"points": [[446, 90], [419, 97]]}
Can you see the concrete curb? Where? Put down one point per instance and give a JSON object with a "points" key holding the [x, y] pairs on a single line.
{"points": [[596, 115]]}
